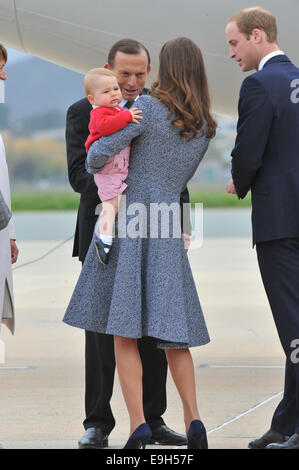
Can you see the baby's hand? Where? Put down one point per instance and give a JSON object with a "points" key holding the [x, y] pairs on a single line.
{"points": [[135, 114]]}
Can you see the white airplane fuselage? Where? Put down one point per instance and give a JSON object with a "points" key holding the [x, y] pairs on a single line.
{"points": [[78, 34]]}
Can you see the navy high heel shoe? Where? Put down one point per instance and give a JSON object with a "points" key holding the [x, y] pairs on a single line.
{"points": [[139, 437], [197, 436]]}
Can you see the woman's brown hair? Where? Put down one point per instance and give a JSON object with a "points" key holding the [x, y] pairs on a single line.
{"points": [[182, 86], [3, 53]]}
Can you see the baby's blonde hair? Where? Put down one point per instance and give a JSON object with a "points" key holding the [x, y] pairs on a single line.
{"points": [[89, 79]]}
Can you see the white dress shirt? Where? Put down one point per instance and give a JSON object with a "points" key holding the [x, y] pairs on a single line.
{"points": [[123, 101], [268, 57]]}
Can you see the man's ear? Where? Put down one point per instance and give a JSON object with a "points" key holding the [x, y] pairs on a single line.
{"points": [[149, 69], [258, 34], [107, 66]]}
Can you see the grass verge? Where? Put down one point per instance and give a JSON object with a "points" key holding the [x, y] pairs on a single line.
{"points": [[44, 201]]}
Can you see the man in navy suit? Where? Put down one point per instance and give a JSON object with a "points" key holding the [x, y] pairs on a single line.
{"points": [[265, 160]]}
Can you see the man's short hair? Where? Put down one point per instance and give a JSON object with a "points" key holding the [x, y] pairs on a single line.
{"points": [[256, 17], [127, 46], [3, 53], [89, 81]]}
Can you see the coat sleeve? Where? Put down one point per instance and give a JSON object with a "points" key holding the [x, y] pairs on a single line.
{"points": [[255, 119], [111, 145], [76, 134]]}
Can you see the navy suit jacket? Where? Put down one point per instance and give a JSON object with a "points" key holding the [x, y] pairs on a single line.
{"points": [[265, 158]]}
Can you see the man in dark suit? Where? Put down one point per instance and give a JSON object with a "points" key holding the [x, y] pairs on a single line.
{"points": [[130, 61], [265, 159]]}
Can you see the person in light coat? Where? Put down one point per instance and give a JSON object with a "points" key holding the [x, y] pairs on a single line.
{"points": [[8, 248]]}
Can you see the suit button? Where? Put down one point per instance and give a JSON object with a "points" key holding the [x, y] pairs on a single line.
{"points": [[116, 164]]}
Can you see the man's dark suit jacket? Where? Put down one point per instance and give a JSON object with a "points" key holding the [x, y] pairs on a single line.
{"points": [[77, 131], [266, 155]]}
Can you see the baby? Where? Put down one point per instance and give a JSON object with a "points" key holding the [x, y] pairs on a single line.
{"points": [[103, 92]]}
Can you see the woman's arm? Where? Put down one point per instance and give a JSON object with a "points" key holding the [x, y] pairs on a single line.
{"points": [[111, 145]]}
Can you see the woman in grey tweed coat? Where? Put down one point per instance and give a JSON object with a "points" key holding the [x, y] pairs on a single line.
{"points": [[147, 289]]}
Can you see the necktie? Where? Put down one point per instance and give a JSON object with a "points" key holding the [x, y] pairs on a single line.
{"points": [[129, 104]]}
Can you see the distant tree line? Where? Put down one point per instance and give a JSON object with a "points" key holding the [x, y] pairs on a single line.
{"points": [[33, 160], [31, 124]]}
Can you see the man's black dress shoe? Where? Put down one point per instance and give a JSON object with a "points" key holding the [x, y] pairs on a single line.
{"points": [[164, 436], [93, 438], [269, 437], [292, 443]]}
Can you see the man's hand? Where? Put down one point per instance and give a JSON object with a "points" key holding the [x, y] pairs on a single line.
{"points": [[135, 114], [14, 251], [187, 241], [230, 187]]}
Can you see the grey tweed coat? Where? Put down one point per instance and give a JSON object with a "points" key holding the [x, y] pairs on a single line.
{"points": [[147, 289]]}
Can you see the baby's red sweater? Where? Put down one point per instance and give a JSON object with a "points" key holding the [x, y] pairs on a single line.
{"points": [[106, 121]]}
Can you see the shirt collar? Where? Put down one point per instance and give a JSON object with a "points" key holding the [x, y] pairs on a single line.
{"points": [[123, 102], [268, 57]]}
